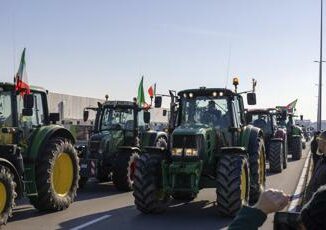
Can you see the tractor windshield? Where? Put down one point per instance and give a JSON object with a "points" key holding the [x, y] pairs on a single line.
{"points": [[204, 110], [5, 109], [117, 119]]}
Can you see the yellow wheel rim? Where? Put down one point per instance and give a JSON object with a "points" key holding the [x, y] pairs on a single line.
{"points": [[3, 197], [243, 184], [63, 173], [262, 168]]}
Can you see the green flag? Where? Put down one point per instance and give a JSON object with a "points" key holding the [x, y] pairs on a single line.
{"points": [[141, 96]]}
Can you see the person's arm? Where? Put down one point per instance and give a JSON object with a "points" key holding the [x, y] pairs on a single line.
{"points": [[248, 218], [253, 217]]}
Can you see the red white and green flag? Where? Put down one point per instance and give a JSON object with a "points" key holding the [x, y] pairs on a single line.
{"points": [[21, 81], [141, 96], [292, 104]]}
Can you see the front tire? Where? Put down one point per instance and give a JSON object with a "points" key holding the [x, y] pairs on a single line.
{"points": [[232, 189], [57, 176], [7, 194], [148, 192], [276, 157], [124, 170]]}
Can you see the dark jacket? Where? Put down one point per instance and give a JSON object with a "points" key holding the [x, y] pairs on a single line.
{"points": [[248, 218], [318, 178]]}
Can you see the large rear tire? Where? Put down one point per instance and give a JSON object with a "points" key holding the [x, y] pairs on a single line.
{"points": [[257, 165], [276, 156], [232, 187], [296, 148], [285, 154], [57, 176], [7, 194], [148, 192], [124, 170]]}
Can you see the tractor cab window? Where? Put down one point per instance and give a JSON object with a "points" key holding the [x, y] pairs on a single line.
{"points": [[117, 118], [141, 123], [204, 110], [38, 113], [262, 121], [236, 113], [5, 109]]}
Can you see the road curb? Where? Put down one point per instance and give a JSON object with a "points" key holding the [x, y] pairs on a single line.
{"points": [[298, 194]]}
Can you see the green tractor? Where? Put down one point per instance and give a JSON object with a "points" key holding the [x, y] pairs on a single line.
{"points": [[210, 146], [37, 157], [120, 132], [294, 133]]}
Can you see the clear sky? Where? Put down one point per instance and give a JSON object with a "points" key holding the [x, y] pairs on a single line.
{"points": [[92, 48]]}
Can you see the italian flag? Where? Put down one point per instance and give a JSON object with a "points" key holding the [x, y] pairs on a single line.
{"points": [[21, 81], [292, 104]]}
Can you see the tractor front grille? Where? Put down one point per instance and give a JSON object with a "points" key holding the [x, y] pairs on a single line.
{"points": [[184, 141]]}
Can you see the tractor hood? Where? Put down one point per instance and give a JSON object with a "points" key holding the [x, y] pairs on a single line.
{"points": [[106, 141], [192, 129]]}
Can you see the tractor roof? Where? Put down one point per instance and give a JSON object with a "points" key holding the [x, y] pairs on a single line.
{"points": [[118, 104], [203, 91], [10, 86]]}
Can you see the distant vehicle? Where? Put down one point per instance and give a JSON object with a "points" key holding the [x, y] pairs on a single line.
{"points": [[275, 137], [120, 132]]}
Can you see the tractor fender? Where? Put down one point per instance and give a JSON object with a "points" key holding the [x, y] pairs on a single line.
{"points": [[43, 135], [128, 149], [235, 150], [17, 178], [150, 137], [250, 136]]}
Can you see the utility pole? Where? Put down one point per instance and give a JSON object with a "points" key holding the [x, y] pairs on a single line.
{"points": [[319, 112]]}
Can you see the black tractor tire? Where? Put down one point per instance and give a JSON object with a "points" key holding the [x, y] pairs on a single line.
{"points": [[296, 148], [161, 142], [7, 185], [230, 197], [82, 182], [285, 155], [276, 156], [52, 163], [124, 169], [257, 166], [184, 196], [148, 193]]}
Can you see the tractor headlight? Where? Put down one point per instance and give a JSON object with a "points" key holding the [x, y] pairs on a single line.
{"points": [[177, 152], [191, 152]]}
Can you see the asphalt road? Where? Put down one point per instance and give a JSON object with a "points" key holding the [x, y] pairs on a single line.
{"points": [[101, 206]]}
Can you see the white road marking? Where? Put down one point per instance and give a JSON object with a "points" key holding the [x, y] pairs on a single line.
{"points": [[295, 202], [91, 222]]}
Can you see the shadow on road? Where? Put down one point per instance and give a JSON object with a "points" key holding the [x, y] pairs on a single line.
{"points": [[194, 215]]}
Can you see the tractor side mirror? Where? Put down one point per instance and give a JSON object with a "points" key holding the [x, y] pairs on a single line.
{"points": [[85, 115], [158, 102], [301, 117], [147, 117], [28, 101], [54, 117], [165, 112], [251, 99]]}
